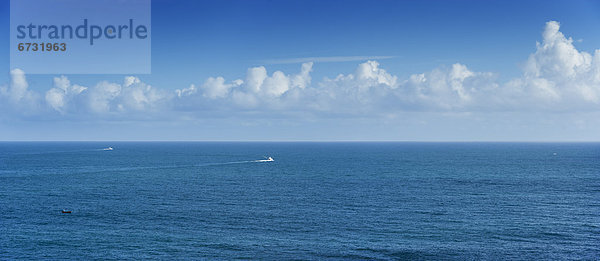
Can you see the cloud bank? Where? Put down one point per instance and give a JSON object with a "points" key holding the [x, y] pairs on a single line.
{"points": [[556, 77]]}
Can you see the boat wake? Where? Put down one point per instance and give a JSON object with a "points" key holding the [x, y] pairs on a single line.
{"points": [[267, 159], [63, 151], [91, 169], [124, 169]]}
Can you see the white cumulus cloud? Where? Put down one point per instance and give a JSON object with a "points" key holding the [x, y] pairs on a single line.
{"points": [[62, 93], [557, 73], [258, 88], [16, 97], [556, 77]]}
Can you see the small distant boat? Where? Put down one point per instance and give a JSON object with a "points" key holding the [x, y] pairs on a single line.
{"points": [[109, 148], [64, 211], [269, 159]]}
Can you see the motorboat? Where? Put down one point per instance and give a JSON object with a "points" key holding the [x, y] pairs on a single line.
{"points": [[267, 159], [109, 148]]}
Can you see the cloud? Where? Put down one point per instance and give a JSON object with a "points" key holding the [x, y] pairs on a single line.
{"points": [[105, 97], [258, 88], [556, 77], [18, 87], [360, 92], [217, 88], [454, 88], [16, 97], [138, 96], [62, 93], [101, 98], [560, 74]]}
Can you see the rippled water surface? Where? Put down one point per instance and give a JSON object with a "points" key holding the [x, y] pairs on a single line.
{"points": [[315, 201]]}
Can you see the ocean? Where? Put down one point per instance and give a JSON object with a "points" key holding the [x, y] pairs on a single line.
{"points": [[315, 201]]}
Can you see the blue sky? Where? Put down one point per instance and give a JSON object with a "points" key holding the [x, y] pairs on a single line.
{"points": [[193, 41]]}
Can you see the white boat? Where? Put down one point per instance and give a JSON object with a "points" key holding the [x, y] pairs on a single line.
{"points": [[266, 159], [109, 148]]}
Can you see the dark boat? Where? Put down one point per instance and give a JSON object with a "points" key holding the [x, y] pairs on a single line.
{"points": [[65, 211]]}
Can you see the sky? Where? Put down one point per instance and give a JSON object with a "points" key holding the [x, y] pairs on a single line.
{"points": [[331, 71]]}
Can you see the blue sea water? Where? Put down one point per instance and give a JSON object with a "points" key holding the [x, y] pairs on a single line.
{"points": [[341, 201]]}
